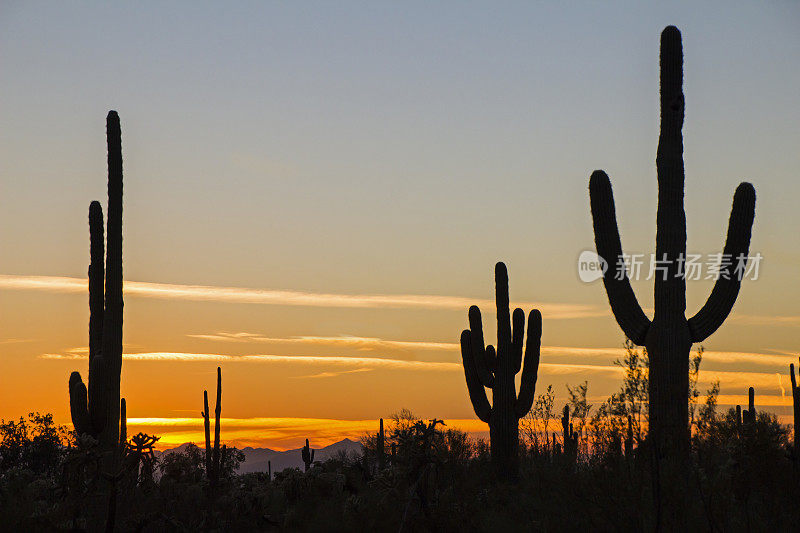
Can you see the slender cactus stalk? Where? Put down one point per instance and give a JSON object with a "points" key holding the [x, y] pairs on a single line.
{"points": [[485, 368], [796, 404], [381, 446], [96, 411]]}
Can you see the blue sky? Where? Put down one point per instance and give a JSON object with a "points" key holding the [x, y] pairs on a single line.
{"points": [[386, 148]]}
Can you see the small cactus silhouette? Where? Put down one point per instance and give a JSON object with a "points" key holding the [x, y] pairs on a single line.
{"points": [[749, 416], [96, 411], [483, 367], [308, 455], [214, 456], [570, 436], [629, 438], [381, 440]]}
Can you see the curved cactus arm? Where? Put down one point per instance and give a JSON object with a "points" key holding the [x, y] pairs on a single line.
{"points": [[483, 365], [312, 455], [530, 370], [503, 311], [491, 358], [624, 305], [78, 405], [477, 393], [737, 245], [517, 334]]}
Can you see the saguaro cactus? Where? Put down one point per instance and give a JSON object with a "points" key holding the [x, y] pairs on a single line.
{"points": [[381, 440], [670, 335], [214, 457], [749, 416], [796, 403], [569, 435], [96, 411], [495, 370], [308, 455]]}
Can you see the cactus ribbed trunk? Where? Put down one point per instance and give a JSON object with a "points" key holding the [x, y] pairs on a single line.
{"points": [[486, 368], [670, 335], [96, 411], [796, 405]]}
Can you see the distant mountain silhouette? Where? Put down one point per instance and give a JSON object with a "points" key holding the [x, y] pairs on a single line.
{"points": [[256, 458]]}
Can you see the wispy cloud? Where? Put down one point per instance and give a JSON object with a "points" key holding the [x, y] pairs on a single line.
{"points": [[333, 374], [365, 362], [349, 341], [553, 311]]}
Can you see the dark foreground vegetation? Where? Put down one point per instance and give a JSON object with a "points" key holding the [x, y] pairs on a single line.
{"points": [[587, 467]]}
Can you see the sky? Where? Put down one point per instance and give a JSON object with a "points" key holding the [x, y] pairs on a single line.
{"points": [[316, 192]]}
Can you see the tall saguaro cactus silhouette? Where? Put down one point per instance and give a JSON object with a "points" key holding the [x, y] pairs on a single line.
{"points": [[485, 367], [669, 336], [97, 411]]}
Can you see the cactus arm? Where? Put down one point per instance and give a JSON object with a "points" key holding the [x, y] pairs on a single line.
{"points": [[96, 274], [737, 244], [477, 393], [479, 352], [312, 455], [794, 380], [78, 406], [624, 305], [503, 313], [530, 370], [491, 358], [751, 403], [207, 429], [517, 333]]}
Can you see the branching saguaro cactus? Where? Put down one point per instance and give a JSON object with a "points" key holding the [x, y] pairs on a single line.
{"points": [[486, 368], [214, 456], [308, 456], [796, 404], [670, 335], [749, 416], [96, 411], [569, 435]]}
